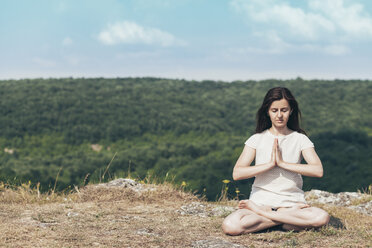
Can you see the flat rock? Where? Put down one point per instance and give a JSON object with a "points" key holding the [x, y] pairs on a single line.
{"points": [[214, 243], [146, 231], [194, 208], [123, 182], [205, 209], [222, 211], [365, 208]]}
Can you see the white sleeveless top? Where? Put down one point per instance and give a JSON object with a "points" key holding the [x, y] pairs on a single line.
{"points": [[278, 187]]}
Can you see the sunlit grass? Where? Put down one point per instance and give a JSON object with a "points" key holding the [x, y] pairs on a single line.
{"points": [[104, 214], [29, 193]]}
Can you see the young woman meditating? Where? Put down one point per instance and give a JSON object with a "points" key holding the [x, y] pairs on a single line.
{"points": [[276, 197]]}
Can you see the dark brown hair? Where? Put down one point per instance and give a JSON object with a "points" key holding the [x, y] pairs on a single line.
{"points": [[275, 94]]}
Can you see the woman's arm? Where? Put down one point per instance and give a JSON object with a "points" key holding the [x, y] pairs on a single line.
{"points": [[313, 168], [243, 168]]}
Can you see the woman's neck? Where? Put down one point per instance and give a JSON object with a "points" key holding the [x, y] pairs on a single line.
{"points": [[280, 131]]}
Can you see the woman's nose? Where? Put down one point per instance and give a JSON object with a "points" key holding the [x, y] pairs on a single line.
{"points": [[279, 113]]}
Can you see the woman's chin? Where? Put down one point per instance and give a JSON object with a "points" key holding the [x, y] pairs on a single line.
{"points": [[280, 124]]}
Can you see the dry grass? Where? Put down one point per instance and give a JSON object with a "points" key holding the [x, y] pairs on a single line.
{"points": [[364, 199], [119, 217]]}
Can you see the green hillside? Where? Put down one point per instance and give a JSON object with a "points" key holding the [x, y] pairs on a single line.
{"points": [[182, 130]]}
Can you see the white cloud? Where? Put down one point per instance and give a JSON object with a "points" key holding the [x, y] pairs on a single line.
{"points": [[349, 18], [324, 25], [322, 16], [67, 41], [292, 20], [132, 33]]}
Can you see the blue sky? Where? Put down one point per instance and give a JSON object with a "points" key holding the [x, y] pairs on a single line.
{"points": [[191, 39]]}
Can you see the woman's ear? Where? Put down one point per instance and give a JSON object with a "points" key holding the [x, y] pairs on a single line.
{"points": [[290, 112]]}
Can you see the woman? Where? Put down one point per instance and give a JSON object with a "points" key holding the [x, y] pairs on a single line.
{"points": [[276, 197]]}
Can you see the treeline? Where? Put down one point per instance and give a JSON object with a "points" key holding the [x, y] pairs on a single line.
{"points": [[187, 130]]}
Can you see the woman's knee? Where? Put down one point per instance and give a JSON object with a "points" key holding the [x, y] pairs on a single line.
{"points": [[232, 224], [231, 228], [321, 218]]}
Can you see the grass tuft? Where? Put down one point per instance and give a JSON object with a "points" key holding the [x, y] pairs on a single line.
{"points": [[26, 193]]}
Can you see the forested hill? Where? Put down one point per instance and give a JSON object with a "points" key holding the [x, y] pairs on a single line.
{"points": [[183, 130]]}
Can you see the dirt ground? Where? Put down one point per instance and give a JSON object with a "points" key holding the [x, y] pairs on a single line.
{"points": [[120, 217]]}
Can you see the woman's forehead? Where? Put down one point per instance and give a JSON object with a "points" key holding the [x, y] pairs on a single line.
{"points": [[283, 103]]}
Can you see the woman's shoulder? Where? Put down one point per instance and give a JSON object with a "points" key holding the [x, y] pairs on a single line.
{"points": [[253, 140], [298, 134], [259, 135], [302, 139]]}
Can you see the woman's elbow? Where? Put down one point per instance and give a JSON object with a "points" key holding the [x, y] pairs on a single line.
{"points": [[236, 175], [320, 173]]}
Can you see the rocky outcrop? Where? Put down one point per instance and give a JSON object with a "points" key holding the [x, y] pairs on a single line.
{"points": [[357, 201], [127, 183], [354, 200]]}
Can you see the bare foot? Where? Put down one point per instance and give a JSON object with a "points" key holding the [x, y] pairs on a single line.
{"points": [[255, 208], [243, 204], [289, 227], [247, 204]]}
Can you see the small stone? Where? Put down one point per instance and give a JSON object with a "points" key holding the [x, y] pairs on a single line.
{"points": [[72, 214], [43, 225], [146, 231]]}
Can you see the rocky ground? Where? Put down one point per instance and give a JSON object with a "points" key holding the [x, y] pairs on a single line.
{"points": [[126, 213]]}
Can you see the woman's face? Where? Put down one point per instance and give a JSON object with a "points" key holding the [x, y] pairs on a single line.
{"points": [[279, 112]]}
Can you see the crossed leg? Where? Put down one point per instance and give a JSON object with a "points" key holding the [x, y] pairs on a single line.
{"points": [[246, 221], [253, 218]]}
